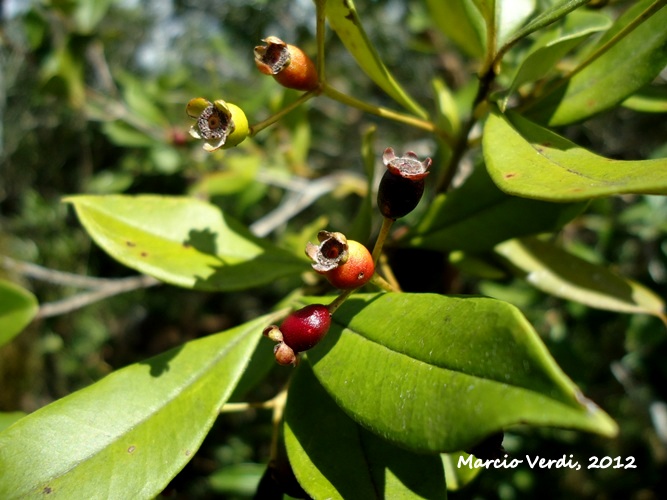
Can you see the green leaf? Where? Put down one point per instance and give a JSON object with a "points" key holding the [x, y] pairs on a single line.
{"points": [[619, 71], [461, 22], [502, 18], [553, 45], [182, 241], [510, 15], [550, 15], [555, 271], [344, 20], [333, 457], [437, 373], [17, 309], [477, 216], [129, 434], [8, 418], [527, 160]]}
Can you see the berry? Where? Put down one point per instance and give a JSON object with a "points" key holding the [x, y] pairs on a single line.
{"points": [[402, 185], [357, 269], [347, 264], [288, 64], [221, 124], [304, 328]]}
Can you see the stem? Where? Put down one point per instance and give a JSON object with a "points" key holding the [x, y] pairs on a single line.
{"points": [[485, 82], [254, 129], [277, 400], [382, 237], [388, 272], [382, 284], [320, 30], [338, 301], [429, 126]]}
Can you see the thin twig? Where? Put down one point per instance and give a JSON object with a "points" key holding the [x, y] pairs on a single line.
{"points": [[115, 287], [305, 193], [52, 276]]}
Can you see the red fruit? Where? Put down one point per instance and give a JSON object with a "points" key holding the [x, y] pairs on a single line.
{"points": [[357, 269], [304, 328]]}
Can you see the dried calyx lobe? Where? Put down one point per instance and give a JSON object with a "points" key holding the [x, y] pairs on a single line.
{"points": [[330, 253], [402, 185]]}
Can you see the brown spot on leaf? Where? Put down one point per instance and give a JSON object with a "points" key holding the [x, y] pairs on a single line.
{"points": [[509, 175], [47, 490], [130, 243], [144, 254], [188, 453]]}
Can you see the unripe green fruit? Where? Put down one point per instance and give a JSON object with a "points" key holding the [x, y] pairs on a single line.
{"points": [[304, 328]]}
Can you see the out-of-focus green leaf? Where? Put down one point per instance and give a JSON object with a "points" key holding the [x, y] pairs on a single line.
{"points": [[89, 13], [437, 373], [237, 480], [182, 241], [333, 457], [627, 66], [555, 271], [17, 309], [477, 216], [527, 160], [129, 434], [461, 22], [240, 171], [458, 477], [141, 103], [123, 134], [344, 20], [553, 45], [648, 100]]}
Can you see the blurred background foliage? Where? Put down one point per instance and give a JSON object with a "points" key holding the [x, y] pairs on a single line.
{"points": [[92, 97]]}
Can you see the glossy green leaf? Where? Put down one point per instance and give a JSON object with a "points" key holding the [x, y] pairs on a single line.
{"points": [[17, 309], [182, 241], [527, 160], [477, 216], [437, 373], [502, 18], [629, 64], [461, 22], [553, 45], [127, 435], [344, 20], [510, 16], [555, 271], [333, 457]]}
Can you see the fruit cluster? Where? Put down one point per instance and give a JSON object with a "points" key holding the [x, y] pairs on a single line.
{"points": [[346, 264]]}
